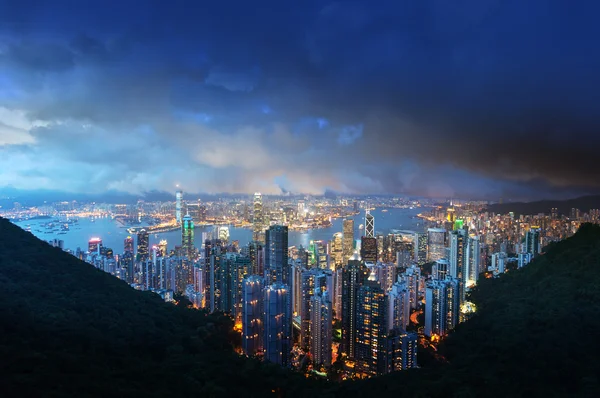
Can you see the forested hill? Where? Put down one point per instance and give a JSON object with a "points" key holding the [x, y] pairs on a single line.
{"points": [[68, 329], [584, 203]]}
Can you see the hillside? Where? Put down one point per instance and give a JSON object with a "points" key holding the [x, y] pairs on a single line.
{"points": [[584, 203], [68, 329]]}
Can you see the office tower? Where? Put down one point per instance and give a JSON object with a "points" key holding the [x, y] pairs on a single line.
{"points": [[440, 269], [451, 214], [252, 315], [126, 261], [187, 237], [143, 243], [420, 248], [178, 206], [399, 306], [313, 281], [353, 276], [412, 278], [258, 233], [277, 324], [442, 306], [532, 241], [369, 224], [257, 257], [321, 319], [162, 245], [337, 251], [95, 245], [239, 272], [473, 260], [458, 256], [371, 328], [347, 239], [436, 244], [368, 249], [401, 351], [223, 234], [277, 268], [128, 245]]}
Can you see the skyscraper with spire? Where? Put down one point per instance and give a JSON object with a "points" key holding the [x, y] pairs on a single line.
{"points": [[178, 206]]}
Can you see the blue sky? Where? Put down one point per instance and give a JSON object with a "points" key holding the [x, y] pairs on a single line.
{"points": [[481, 99]]}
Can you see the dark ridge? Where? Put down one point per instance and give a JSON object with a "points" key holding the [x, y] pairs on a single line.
{"points": [[584, 203]]}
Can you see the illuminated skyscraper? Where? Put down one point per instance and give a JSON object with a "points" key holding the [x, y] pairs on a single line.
{"points": [[128, 245], [162, 245], [371, 328], [458, 256], [353, 276], [412, 278], [277, 268], [401, 351], [187, 237], [336, 250], [473, 260], [442, 306], [399, 306], [369, 225], [95, 245], [321, 319], [313, 281], [258, 233], [436, 244], [348, 239], [532, 241], [143, 243], [420, 248], [252, 315], [178, 206], [368, 249], [277, 324]]}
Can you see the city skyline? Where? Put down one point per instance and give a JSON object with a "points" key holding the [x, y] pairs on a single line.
{"points": [[421, 98]]}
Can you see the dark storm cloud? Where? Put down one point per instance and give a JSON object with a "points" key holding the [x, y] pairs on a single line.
{"points": [[481, 98]]}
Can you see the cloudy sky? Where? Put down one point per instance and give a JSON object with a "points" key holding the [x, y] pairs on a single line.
{"points": [[481, 98]]}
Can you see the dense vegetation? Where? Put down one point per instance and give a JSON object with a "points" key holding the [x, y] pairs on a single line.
{"points": [[584, 203], [70, 330]]}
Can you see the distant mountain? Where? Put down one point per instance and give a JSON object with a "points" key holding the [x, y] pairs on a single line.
{"points": [[67, 329], [584, 203]]}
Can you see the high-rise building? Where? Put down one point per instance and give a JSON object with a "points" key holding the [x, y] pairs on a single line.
{"points": [[369, 224], [277, 324], [258, 231], [399, 306], [178, 206], [162, 245], [337, 251], [401, 351], [473, 260], [420, 248], [353, 276], [532, 241], [436, 244], [458, 257], [321, 319], [187, 236], [277, 268], [368, 249], [313, 281], [143, 243], [371, 328], [128, 246], [347, 239], [95, 245], [412, 278], [442, 306], [440, 269], [252, 315]]}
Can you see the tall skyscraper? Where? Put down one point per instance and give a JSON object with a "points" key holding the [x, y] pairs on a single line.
{"points": [[337, 251], [459, 256], [369, 224], [371, 328], [368, 249], [321, 319], [347, 239], [399, 306], [187, 237], [95, 245], [473, 260], [401, 351], [353, 276], [313, 281], [277, 268], [258, 230], [436, 244], [442, 306], [128, 245], [252, 315], [532, 241], [178, 206], [412, 278], [143, 243], [420, 248], [278, 324]]}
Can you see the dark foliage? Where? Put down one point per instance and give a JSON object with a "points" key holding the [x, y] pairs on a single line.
{"points": [[68, 329]]}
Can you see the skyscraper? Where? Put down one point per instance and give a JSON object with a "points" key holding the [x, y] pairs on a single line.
{"points": [[436, 244], [252, 315], [458, 256], [353, 276], [258, 219], [532, 241], [369, 224], [337, 251], [368, 249], [187, 237], [313, 282], [420, 248], [94, 245], [277, 324], [143, 243], [277, 268], [473, 260], [412, 278], [321, 319], [401, 351], [371, 328], [399, 306], [442, 306], [128, 245], [178, 206], [347, 239]]}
